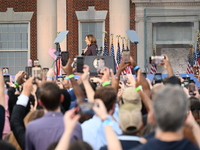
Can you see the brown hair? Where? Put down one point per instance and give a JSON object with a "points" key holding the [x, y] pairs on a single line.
{"points": [[92, 39], [49, 94], [108, 95], [79, 145]]}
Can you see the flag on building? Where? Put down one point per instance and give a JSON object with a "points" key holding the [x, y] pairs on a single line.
{"points": [[105, 51], [189, 68], [153, 69]]}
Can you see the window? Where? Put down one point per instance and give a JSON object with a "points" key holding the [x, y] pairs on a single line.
{"points": [[173, 33], [94, 28], [14, 46], [91, 22]]}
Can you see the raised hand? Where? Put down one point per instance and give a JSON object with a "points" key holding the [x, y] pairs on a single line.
{"points": [[19, 77]]}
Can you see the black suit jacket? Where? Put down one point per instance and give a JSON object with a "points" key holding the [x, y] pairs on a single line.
{"points": [[17, 124]]}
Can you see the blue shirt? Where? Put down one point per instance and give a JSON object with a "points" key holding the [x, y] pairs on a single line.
{"points": [[40, 133], [93, 132]]}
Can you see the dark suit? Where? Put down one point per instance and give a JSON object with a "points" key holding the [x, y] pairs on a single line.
{"points": [[17, 124], [91, 51]]}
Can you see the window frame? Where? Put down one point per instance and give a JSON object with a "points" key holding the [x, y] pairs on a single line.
{"points": [[89, 16], [11, 17]]}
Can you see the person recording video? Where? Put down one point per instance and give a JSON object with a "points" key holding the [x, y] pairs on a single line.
{"points": [[91, 43]]}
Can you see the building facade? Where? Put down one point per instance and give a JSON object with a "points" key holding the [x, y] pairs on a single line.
{"points": [[28, 28]]}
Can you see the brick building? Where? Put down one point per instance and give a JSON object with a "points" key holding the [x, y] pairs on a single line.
{"points": [[29, 27]]}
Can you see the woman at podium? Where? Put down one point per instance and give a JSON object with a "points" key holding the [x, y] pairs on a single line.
{"points": [[91, 43]]}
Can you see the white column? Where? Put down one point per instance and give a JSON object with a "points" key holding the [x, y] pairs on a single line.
{"points": [[119, 18], [46, 30], [62, 21], [139, 19]]}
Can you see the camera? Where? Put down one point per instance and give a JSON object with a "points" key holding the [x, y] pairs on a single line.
{"points": [[156, 60], [86, 108]]}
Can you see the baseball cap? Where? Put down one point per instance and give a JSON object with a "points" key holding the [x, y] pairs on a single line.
{"points": [[131, 96], [130, 118]]}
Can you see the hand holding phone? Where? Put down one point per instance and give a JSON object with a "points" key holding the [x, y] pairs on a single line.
{"points": [[126, 56], [156, 60]]}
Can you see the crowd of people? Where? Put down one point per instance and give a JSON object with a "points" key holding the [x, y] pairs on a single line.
{"points": [[99, 113]]}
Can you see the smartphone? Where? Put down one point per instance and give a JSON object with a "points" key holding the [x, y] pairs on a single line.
{"points": [[36, 72], [5, 70], [28, 71], [64, 57], [158, 77], [156, 59], [126, 56], [79, 64], [191, 89], [60, 79], [6, 78], [86, 108]]}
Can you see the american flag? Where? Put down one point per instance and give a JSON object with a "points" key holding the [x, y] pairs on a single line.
{"points": [[112, 50], [190, 63], [105, 52], [189, 68], [197, 54], [118, 58], [153, 69], [118, 53]]}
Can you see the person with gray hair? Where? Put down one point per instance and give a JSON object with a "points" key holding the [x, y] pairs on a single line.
{"points": [[170, 110]]}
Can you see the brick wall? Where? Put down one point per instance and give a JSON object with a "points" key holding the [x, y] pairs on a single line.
{"points": [[25, 6], [72, 22]]}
